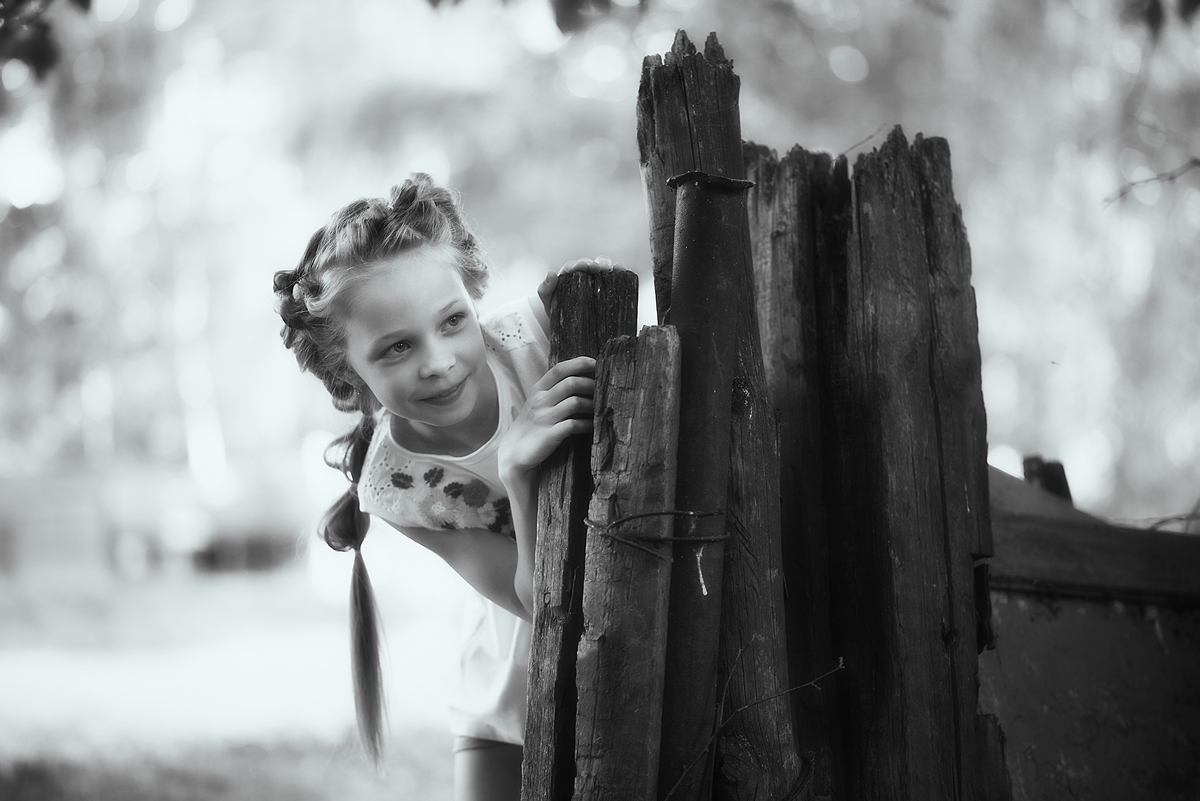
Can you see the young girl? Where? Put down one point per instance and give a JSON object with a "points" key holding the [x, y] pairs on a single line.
{"points": [[456, 416]]}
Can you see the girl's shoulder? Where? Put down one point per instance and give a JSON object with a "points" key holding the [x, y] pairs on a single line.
{"points": [[516, 325], [517, 339]]}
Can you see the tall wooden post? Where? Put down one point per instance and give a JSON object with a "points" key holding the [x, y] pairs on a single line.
{"points": [[587, 310], [903, 444], [962, 427], [688, 121], [707, 239], [793, 212], [627, 571]]}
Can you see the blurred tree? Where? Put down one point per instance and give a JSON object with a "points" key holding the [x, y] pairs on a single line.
{"points": [[26, 36], [188, 157]]}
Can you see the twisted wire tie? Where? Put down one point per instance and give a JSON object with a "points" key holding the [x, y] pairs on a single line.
{"points": [[635, 542]]}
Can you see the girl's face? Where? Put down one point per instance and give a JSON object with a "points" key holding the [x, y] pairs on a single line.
{"points": [[413, 338]]}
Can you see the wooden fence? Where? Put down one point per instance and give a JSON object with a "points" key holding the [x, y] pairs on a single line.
{"points": [[780, 599]]}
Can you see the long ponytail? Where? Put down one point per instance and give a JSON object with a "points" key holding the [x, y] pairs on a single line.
{"points": [[344, 527]]}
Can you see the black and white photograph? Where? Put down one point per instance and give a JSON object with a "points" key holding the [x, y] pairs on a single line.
{"points": [[567, 400]]}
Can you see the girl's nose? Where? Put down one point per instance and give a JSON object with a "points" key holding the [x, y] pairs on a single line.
{"points": [[438, 362]]}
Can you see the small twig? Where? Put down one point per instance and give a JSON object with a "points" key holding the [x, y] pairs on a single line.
{"points": [[1170, 177], [841, 665], [711, 740], [729, 679], [863, 141], [1165, 132], [1156, 523]]}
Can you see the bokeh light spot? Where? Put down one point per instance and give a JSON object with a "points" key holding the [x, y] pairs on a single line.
{"points": [[1128, 55], [604, 63], [15, 76], [170, 14], [114, 10], [848, 63], [29, 170]]}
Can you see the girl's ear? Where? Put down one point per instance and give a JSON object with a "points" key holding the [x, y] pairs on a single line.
{"points": [[367, 401]]}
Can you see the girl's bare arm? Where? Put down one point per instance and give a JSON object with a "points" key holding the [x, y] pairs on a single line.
{"points": [[486, 560]]}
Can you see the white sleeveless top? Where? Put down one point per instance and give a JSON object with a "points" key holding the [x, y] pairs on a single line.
{"points": [[432, 491]]}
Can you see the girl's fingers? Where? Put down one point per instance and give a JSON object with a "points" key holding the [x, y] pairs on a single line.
{"points": [[600, 264], [574, 406], [573, 425], [546, 288], [548, 403], [579, 366]]}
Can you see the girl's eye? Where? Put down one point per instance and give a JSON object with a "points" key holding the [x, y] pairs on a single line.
{"points": [[455, 320], [399, 347]]}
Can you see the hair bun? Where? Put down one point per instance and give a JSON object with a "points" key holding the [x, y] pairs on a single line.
{"points": [[286, 280]]}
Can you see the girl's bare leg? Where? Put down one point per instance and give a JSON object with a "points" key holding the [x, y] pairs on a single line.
{"points": [[488, 774]]}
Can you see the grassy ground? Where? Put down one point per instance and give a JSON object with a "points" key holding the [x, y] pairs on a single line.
{"points": [[225, 687], [418, 768]]}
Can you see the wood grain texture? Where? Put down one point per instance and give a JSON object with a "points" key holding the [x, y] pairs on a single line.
{"points": [[707, 239], [962, 418], [627, 569], [995, 783], [586, 311], [688, 121], [1089, 558], [962, 440], [785, 214], [757, 756], [891, 595]]}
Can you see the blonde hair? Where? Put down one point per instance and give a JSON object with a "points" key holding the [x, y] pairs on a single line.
{"points": [[342, 253]]}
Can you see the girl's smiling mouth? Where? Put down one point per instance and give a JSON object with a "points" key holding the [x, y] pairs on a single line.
{"points": [[448, 397]]}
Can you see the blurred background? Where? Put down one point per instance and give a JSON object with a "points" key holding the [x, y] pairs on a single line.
{"points": [[167, 617]]}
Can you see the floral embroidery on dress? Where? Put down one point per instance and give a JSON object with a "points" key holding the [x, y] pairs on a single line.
{"points": [[473, 494], [437, 499]]}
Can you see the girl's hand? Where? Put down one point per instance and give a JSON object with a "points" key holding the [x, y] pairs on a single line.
{"points": [[600, 264], [559, 405]]}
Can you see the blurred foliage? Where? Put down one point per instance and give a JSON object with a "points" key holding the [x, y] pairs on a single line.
{"points": [[181, 153], [26, 36]]}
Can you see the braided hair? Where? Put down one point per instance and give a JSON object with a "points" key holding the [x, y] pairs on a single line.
{"points": [[311, 299]]}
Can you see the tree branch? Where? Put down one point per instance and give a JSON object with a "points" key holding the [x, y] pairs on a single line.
{"points": [[1168, 177]]}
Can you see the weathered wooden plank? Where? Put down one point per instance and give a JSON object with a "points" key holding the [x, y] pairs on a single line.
{"points": [[890, 594], [783, 213], [757, 758], [688, 120], [962, 439], [1090, 558], [994, 781], [962, 418], [706, 239], [627, 570], [586, 311]]}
